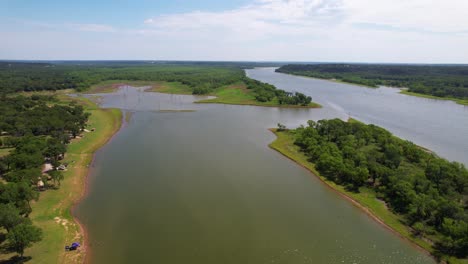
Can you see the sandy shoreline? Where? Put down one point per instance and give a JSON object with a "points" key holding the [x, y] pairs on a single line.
{"points": [[85, 190]]}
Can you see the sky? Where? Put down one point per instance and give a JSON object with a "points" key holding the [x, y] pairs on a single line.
{"points": [[392, 31]]}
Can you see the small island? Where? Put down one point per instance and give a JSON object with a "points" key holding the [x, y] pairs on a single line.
{"points": [[415, 193]]}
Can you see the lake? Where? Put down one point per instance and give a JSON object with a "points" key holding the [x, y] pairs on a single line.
{"points": [[203, 187]]}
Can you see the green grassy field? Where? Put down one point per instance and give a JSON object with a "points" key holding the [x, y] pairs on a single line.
{"points": [[238, 94], [52, 213]]}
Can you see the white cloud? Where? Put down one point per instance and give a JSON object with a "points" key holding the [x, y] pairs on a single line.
{"points": [[436, 16], [297, 30], [261, 19], [306, 16]]}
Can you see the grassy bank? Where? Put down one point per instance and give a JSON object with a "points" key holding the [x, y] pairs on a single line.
{"points": [[236, 94], [365, 200], [458, 101], [52, 213]]}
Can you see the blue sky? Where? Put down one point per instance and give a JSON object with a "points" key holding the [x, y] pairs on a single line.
{"points": [[116, 12], [266, 30]]}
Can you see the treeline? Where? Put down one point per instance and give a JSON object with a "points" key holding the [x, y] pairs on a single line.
{"points": [[436, 80], [265, 92], [16, 77], [431, 193], [36, 130], [202, 79]]}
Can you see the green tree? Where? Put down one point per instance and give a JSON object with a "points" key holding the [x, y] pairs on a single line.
{"points": [[23, 236], [9, 216], [56, 176]]}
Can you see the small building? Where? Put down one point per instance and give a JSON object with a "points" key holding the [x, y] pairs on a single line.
{"points": [[40, 185]]}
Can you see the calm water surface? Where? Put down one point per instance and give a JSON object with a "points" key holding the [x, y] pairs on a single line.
{"points": [[441, 126], [203, 187]]}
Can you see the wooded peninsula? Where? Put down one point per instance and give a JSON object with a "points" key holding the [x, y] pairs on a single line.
{"points": [[426, 193]]}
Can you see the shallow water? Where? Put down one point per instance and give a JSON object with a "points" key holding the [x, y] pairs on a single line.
{"points": [[203, 187]]}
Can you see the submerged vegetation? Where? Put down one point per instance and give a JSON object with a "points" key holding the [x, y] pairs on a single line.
{"points": [[428, 193], [446, 81]]}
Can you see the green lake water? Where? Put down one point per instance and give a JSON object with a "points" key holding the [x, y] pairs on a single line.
{"points": [[203, 187]]}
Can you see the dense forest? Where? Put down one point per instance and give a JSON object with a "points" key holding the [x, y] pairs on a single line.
{"points": [[34, 131], [201, 78], [436, 80], [431, 193]]}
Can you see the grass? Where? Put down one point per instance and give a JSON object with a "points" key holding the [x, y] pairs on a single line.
{"points": [[5, 151], [238, 94], [456, 100], [366, 199], [52, 213]]}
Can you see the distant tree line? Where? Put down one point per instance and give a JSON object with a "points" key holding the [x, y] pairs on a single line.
{"points": [[36, 129], [431, 193], [436, 80], [201, 78]]}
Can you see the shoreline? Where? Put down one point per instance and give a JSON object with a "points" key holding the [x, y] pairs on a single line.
{"points": [[125, 118], [403, 90], [428, 96], [54, 213], [353, 201], [330, 80], [315, 105], [179, 89]]}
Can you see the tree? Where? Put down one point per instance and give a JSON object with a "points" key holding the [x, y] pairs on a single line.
{"points": [[9, 216], [281, 127], [57, 176], [23, 236]]}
